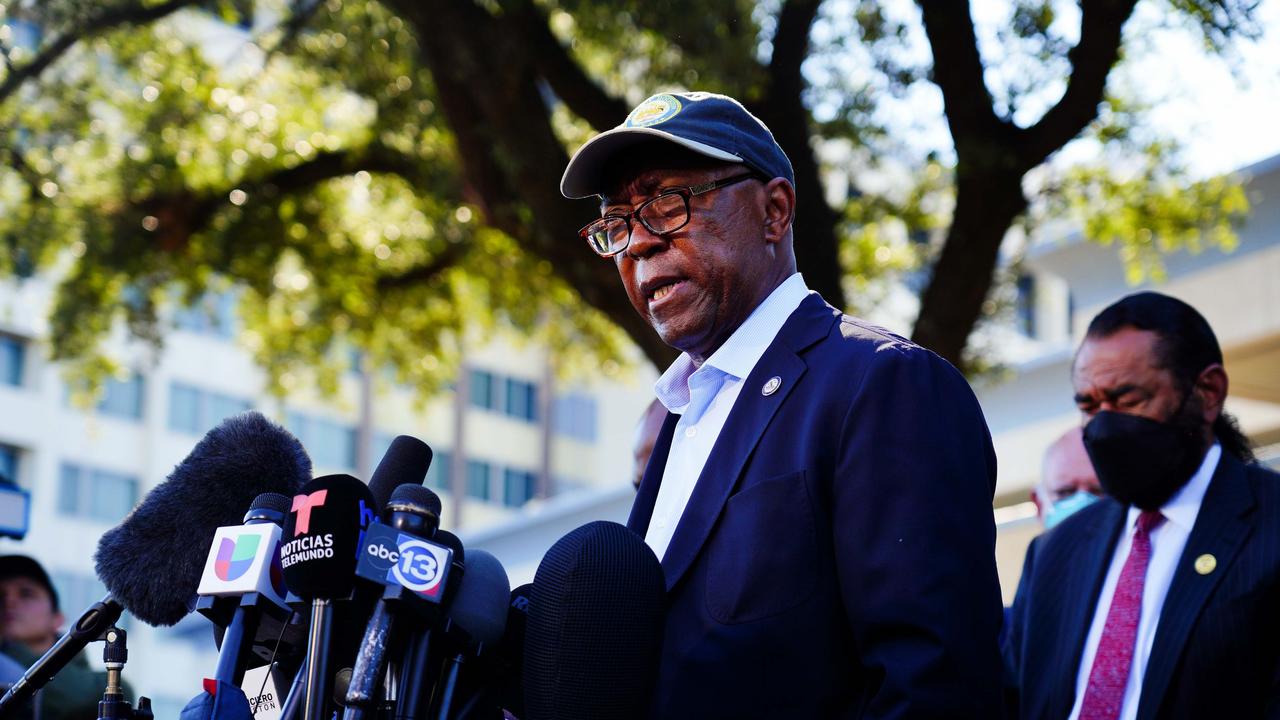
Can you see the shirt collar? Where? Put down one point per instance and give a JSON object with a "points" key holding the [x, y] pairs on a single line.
{"points": [[740, 353], [1182, 508]]}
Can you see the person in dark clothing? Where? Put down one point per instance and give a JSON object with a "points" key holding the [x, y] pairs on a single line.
{"points": [[30, 622]]}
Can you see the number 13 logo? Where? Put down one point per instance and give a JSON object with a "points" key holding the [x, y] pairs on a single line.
{"points": [[417, 568]]}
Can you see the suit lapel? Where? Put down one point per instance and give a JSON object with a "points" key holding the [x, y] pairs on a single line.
{"points": [[1080, 595], [742, 431], [1220, 529], [647, 494]]}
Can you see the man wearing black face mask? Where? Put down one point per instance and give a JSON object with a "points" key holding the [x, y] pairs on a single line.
{"points": [[1159, 601]]}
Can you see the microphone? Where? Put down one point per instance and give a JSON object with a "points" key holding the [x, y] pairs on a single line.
{"points": [[478, 613], [243, 567], [595, 627], [414, 573], [479, 609], [321, 536], [406, 462], [242, 457], [414, 669], [510, 656]]}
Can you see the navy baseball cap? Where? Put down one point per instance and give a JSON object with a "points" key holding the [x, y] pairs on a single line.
{"points": [[716, 126], [12, 566]]}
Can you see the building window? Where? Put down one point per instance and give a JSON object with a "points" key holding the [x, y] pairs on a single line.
{"points": [[193, 410], [95, 493], [519, 487], [213, 314], [439, 473], [77, 592], [1025, 305], [510, 396], [522, 400], [379, 444], [13, 356], [328, 443], [8, 463], [478, 479], [484, 390], [123, 398], [575, 416]]}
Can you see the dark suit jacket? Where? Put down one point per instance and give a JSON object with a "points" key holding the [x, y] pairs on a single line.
{"points": [[1216, 652], [836, 558]]}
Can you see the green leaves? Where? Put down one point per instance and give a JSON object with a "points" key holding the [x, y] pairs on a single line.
{"points": [[303, 153], [1152, 212]]}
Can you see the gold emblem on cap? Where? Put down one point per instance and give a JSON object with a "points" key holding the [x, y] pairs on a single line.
{"points": [[656, 109], [1206, 563], [771, 386]]}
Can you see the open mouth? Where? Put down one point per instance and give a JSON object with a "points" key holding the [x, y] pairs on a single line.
{"points": [[664, 291], [660, 288]]}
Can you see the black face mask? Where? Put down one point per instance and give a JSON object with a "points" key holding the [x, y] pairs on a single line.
{"points": [[1143, 462]]}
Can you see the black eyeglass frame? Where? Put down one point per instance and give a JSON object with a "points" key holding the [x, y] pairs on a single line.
{"points": [[685, 193]]}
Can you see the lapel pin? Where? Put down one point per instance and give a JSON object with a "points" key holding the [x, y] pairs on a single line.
{"points": [[771, 386], [1206, 563]]}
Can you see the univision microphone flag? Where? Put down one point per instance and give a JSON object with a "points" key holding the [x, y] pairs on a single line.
{"points": [[244, 559]]}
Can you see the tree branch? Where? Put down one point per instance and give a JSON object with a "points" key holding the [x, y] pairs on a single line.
{"points": [[1101, 26], [94, 26], [565, 76], [783, 110], [447, 258], [184, 213], [791, 44], [28, 174], [957, 71]]}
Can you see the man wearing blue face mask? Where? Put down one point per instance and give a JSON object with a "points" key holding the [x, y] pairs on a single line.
{"points": [[1158, 601], [1067, 480]]}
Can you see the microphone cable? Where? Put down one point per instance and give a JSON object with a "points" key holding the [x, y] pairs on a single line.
{"points": [[272, 660]]}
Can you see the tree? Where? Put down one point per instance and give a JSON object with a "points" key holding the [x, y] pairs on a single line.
{"points": [[386, 172]]}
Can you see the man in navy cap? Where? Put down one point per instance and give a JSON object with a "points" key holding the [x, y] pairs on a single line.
{"points": [[820, 492], [30, 622]]}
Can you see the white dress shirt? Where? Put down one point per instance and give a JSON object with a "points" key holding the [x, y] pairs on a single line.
{"points": [[703, 397], [1167, 543]]}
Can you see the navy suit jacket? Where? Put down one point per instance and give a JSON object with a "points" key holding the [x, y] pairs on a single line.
{"points": [[836, 558], [1216, 652]]}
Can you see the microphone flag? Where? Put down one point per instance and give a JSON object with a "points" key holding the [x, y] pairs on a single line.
{"points": [[245, 559], [395, 558]]}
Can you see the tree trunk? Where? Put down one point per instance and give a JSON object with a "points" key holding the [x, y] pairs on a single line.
{"points": [[511, 156], [986, 206]]}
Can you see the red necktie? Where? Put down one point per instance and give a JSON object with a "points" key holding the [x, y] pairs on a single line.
{"points": [[1109, 676]]}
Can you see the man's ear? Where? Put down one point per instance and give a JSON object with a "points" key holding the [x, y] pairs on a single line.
{"points": [[779, 209], [1211, 385], [57, 621]]}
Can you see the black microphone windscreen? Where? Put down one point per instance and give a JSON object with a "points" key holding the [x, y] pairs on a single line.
{"points": [[152, 561], [273, 501], [451, 541], [480, 607], [407, 461], [417, 497], [595, 627], [322, 532], [510, 655]]}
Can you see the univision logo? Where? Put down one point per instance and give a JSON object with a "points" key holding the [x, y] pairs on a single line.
{"points": [[235, 556]]}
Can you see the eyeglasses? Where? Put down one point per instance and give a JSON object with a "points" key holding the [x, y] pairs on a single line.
{"points": [[662, 214]]}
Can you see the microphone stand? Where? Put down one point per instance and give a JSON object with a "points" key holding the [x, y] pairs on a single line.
{"points": [[317, 659], [113, 705], [92, 625]]}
